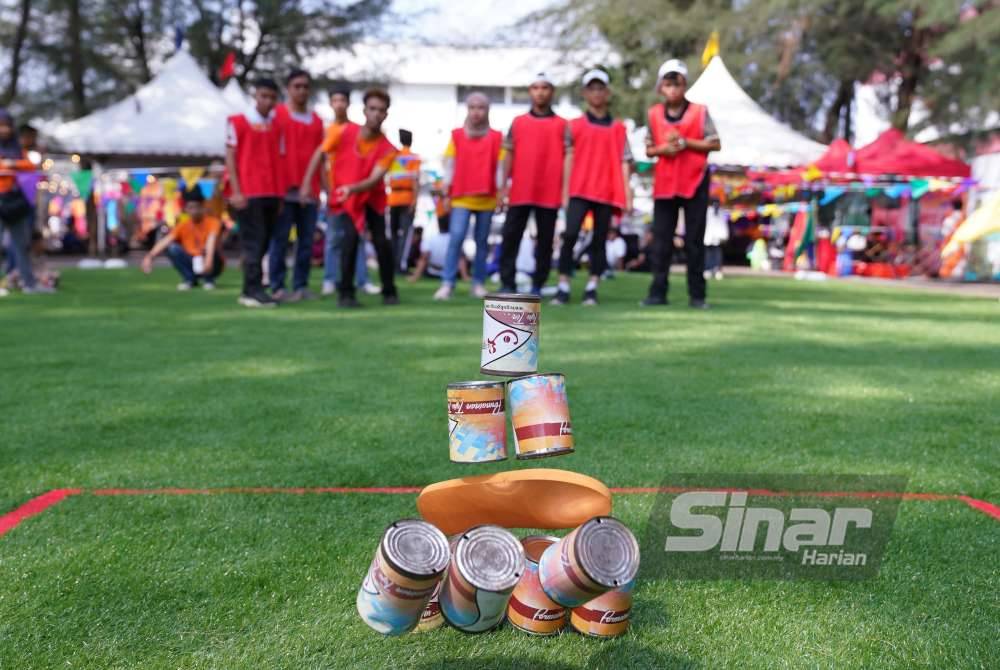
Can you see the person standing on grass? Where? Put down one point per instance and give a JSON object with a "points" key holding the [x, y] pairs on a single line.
{"points": [[472, 175], [301, 132], [599, 164], [192, 245], [534, 162], [716, 232], [361, 156], [404, 187], [253, 163], [681, 135]]}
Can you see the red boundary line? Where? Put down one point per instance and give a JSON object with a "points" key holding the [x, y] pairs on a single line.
{"points": [[39, 504]]}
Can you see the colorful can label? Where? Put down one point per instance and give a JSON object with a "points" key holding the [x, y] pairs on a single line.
{"points": [[477, 422], [431, 617], [486, 564], [529, 608], [540, 416], [606, 615], [510, 334]]}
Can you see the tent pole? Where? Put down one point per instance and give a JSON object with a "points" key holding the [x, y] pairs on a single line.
{"points": [[102, 231]]}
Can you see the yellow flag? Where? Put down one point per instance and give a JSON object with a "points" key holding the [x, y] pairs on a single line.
{"points": [[191, 175], [711, 48]]}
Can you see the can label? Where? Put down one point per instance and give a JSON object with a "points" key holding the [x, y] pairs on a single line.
{"points": [[477, 424], [391, 603], [431, 617], [608, 615], [562, 578], [530, 609], [510, 337], [470, 609], [540, 416]]}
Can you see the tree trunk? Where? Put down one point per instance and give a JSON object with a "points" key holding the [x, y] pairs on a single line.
{"points": [[911, 63], [15, 52], [845, 93], [78, 94], [137, 29]]}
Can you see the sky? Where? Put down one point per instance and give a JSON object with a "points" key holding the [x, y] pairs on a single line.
{"points": [[467, 21]]}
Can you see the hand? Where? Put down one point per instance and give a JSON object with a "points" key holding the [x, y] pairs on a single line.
{"points": [[147, 263], [342, 193], [628, 203], [304, 194], [503, 198], [238, 201], [412, 278], [208, 265]]}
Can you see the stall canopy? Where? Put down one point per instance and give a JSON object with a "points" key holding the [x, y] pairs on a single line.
{"points": [[750, 136], [892, 153], [235, 96], [179, 113]]}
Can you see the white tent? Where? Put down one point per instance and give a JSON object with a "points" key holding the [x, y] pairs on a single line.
{"points": [[180, 112], [235, 96], [750, 136]]}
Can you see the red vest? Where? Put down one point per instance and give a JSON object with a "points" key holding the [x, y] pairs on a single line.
{"points": [[476, 161], [680, 175], [536, 171], [597, 162], [258, 160], [298, 143], [350, 167]]}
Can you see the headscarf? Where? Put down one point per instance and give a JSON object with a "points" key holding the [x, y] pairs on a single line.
{"points": [[472, 130], [10, 148]]}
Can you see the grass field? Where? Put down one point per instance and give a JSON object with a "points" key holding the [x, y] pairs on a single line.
{"points": [[119, 381]]}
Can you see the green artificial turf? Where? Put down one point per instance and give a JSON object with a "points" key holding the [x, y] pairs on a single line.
{"points": [[119, 381]]}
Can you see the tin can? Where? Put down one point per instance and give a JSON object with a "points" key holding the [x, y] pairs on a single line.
{"points": [[486, 564], [407, 567], [431, 617], [477, 422], [510, 334], [539, 414], [597, 557], [606, 615], [530, 609]]}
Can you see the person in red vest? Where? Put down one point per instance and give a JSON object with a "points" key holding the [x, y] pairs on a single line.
{"points": [[472, 172], [301, 133], [536, 151], [361, 156], [599, 162], [681, 135], [256, 186]]}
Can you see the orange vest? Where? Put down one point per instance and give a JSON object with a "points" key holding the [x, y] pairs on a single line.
{"points": [[678, 176], [403, 177]]}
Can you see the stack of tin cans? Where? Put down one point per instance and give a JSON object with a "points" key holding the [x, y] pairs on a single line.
{"points": [[419, 579]]}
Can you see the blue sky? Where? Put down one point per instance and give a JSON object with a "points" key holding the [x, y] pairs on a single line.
{"points": [[468, 21]]}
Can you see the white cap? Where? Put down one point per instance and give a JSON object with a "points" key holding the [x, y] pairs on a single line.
{"points": [[542, 78], [595, 74], [673, 65]]}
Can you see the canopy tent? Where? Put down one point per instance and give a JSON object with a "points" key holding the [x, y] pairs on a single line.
{"points": [[892, 153], [750, 136], [235, 96], [178, 114], [838, 157]]}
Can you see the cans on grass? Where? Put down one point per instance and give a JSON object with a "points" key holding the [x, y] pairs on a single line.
{"points": [[540, 416], [431, 617], [486, 564], [407, 567], [510, 334], [597, 557], [477, 422], [530, 609], [607, 615]]}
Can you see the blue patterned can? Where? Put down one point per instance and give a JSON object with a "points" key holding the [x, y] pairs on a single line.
{"points": [[406, 570], [510, 334], [487, 562], [477, 422]]}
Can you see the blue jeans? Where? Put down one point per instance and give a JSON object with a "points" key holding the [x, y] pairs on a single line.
{"points": [[331, 256], [303, 217], [184, 265], [19, 250], [459, 227]]}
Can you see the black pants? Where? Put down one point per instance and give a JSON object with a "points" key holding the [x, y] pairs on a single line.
{"points": [[257, 224], [596, 250], [664, 225], [513, 231], [349, 252], [400, 224]]}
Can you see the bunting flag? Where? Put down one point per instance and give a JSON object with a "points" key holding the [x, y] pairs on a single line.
{"points": [[809, 234], [169, 187], [897, 190], [228, 68], [28, 182], [207, 187], [191, 175], [812, 173], [831, 194], [711, 48], [84, 180], [919, 187]]}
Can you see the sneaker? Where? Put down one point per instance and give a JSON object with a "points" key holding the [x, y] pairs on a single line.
{"points": [[280, 295], [304, 294], [589, 298], [390, 299], [372, 289], [37, 289], [699, 304], [4, 292], [209, 286], [259, 299], [718, 275], [650, 301], [478, 291], [707, 274], [183, 286], [562, 298], [443, 293], [348, 301], [329, 288]]}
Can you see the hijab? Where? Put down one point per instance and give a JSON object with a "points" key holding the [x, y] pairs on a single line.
{"points": [[10, 148], [477, 130]]}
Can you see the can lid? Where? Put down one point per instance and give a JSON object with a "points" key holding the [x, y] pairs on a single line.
{"points": [[476, 385], [608, 551], [535, 546], [514, 297], [489, 558], [415, 548]]}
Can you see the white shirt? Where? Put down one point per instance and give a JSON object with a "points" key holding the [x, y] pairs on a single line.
{"points": [[253, 117], [437, 247], [615, 250]]}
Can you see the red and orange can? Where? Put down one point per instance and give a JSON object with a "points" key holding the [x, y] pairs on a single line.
{"points": [[529, 608], [477, 422], [540, 416], [607, 615], [431, 617]]}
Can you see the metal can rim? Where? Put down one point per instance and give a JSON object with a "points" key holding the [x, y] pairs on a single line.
{"points": [[404, 571], [513, 297], [537, 374], [479, 383]]}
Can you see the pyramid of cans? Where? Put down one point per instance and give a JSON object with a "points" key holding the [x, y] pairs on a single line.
{"points": [[420, 579]]}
